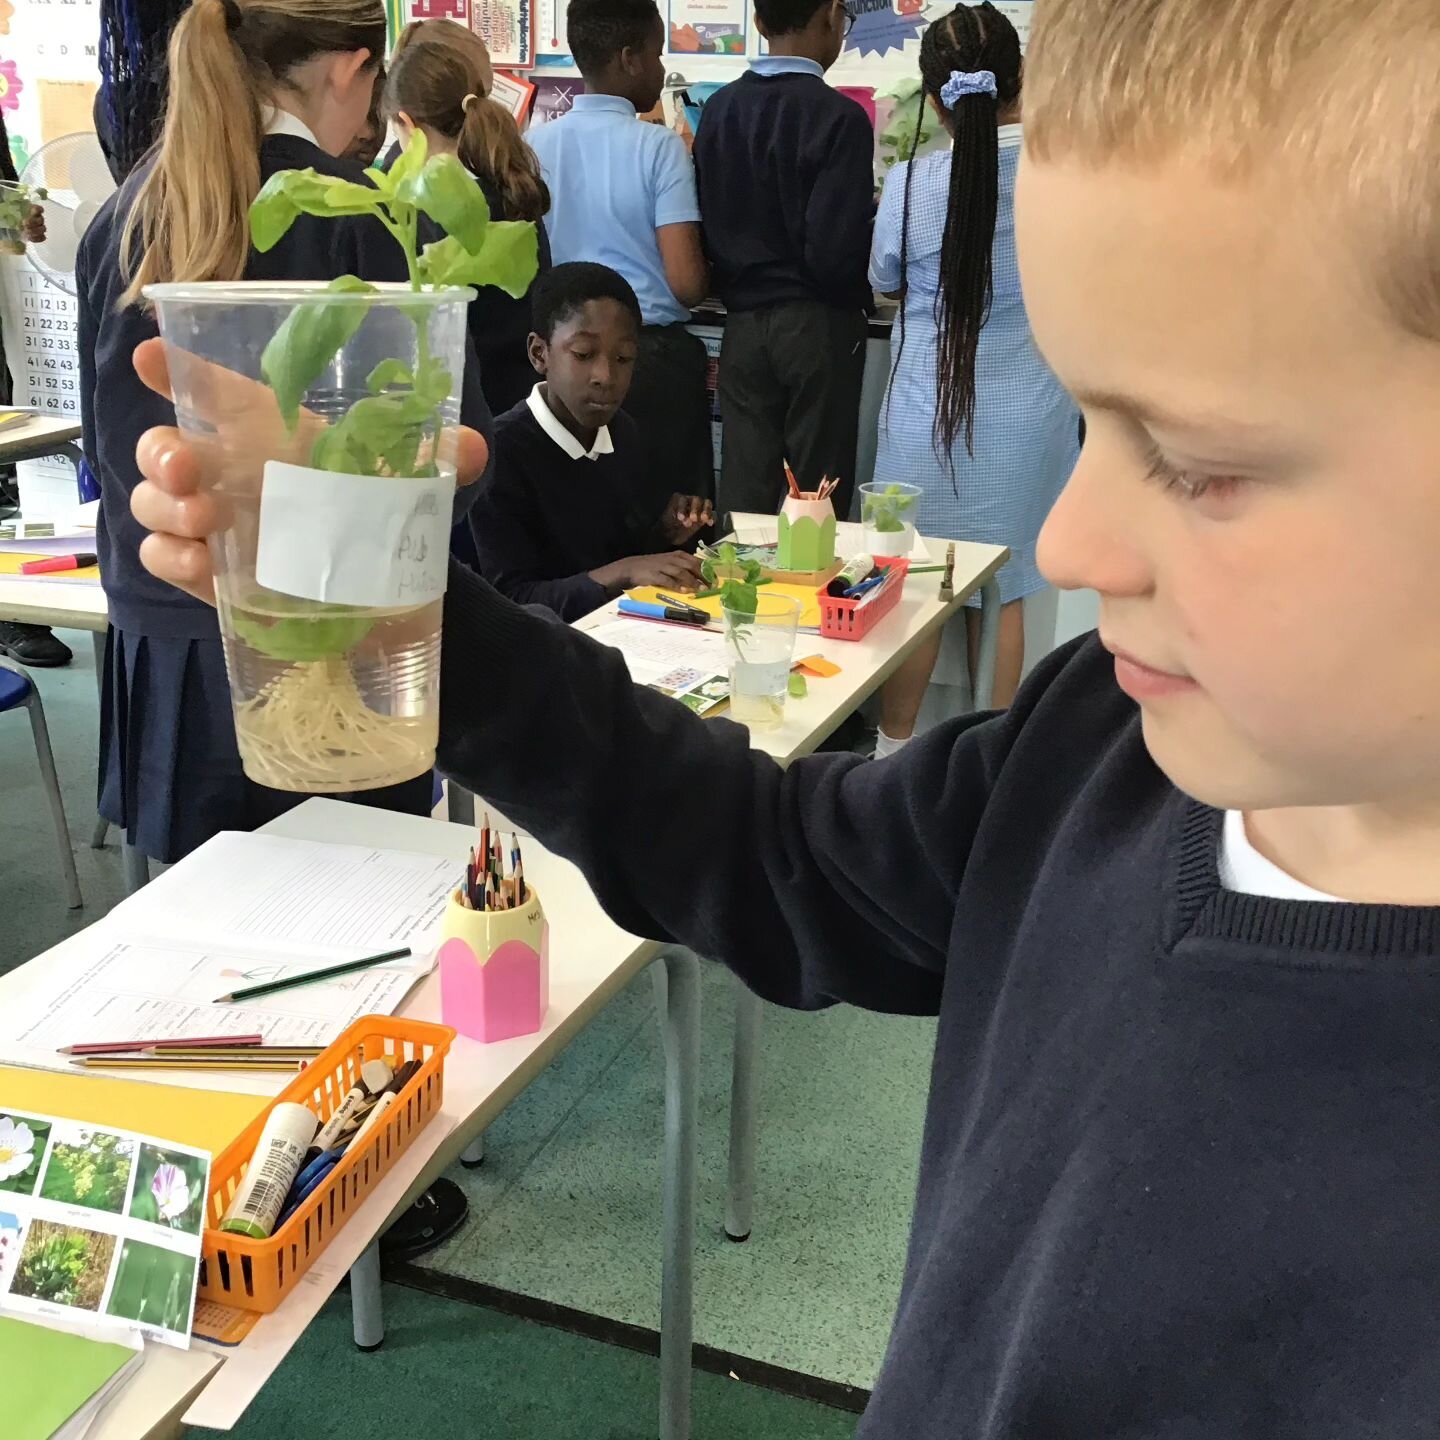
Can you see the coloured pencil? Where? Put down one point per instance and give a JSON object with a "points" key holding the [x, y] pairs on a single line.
{"points": [[157, 1062], [310, 977], [120, 1047]]}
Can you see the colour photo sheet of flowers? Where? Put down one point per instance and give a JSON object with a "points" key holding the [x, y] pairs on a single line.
{"points": [[99, 1227]]}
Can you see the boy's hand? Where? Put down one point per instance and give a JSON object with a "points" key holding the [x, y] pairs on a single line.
{"points": [[674, 570], [685, 517], [170, 501], [32, 230]]}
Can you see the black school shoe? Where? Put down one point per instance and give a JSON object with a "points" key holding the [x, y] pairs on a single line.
{"points": [[433, 1218], [34, 645]]}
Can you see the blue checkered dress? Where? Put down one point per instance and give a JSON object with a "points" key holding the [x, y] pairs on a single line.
{"points": [[1025, 425]]}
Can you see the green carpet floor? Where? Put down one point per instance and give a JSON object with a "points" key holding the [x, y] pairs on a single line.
{"points": [[454, 1372]]}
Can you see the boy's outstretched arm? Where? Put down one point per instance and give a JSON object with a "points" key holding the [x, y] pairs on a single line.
{"points": [[833, 880]]}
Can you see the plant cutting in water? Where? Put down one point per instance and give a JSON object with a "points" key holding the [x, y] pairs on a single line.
{"points": [[16, 203], [307, 724], [888, 513]]}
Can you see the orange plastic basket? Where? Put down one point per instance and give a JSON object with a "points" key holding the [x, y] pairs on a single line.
{"points": [[854, 619], [258, 1274]]}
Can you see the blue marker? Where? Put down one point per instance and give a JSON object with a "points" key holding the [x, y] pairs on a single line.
{"points": [[647, 611]]}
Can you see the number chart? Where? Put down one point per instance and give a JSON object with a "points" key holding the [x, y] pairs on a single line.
{"points": [[41, 343]]}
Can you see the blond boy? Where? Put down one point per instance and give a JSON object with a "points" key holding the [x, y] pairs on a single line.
{"points": [[1176, 910]]}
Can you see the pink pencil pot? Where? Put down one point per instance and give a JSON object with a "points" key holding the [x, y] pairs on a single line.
{"points": [[495, 969]]}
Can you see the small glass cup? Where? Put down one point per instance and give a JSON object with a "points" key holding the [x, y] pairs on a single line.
{"points": [[888, 514], [762, 649], [324, 423]]}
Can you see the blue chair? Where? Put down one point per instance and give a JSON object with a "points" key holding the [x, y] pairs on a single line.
{"points": [[17, 689]]}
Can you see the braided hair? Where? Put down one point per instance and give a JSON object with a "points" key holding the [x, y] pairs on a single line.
{"points": [[968, 39], [134, 77]]}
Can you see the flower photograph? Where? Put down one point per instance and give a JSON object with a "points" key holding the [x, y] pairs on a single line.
{"points": [[22, 1147], [169, 1189], [90, 1168], [153, 1287], [64, 1265], [12, 1231]]}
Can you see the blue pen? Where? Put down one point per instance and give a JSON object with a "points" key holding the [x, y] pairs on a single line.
{"points": [[313, 1175], [864, 587], [647, 611]]}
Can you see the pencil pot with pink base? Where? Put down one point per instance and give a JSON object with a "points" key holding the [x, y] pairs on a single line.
{"points": [[495, 969]]}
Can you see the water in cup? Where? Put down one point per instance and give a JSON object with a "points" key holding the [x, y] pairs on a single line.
{"points": [[758, 691], [761, 645], [337, 490]]}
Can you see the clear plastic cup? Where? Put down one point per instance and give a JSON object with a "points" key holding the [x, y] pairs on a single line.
{"points": [[762, 649], [331, 448], [888, 514]]}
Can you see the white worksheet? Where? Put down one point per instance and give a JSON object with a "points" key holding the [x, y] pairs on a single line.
{"points": [[241, 910], [267, 892], [655, 652], [123, 990]]}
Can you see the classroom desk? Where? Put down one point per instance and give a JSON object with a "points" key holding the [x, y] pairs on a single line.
{"points": [[41, 436], [865, 666], [592, 960]]}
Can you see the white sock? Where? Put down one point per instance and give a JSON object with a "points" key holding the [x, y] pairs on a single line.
{"points": [[885, 745]]}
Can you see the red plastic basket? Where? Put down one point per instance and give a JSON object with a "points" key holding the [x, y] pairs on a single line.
{"points": [[854, 619]]}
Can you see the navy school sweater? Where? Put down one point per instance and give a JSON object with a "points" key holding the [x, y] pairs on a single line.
{"points": [[543, 521], [785, 170], [116, 409], [1179, 1178]]}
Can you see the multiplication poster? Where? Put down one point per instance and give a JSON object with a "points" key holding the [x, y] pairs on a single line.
{"points": [[99, 1227]]}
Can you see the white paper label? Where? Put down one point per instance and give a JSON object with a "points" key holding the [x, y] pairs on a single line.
{"points": [[353, 539]]}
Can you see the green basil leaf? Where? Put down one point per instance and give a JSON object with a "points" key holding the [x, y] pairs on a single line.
{"points": [[337, 450], [272, 213], [381, 179], [345, 197], [433, 382], [393, 426], [301, 640], [389, 372], [312, 335], [509, 258], [799, 686], [447, 192], [408, 165]]}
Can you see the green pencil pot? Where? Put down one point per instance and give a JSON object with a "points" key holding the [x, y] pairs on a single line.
{"points": [[807, 535]]}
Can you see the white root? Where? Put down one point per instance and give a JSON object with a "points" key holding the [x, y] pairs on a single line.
{"points": [[310, 729]]}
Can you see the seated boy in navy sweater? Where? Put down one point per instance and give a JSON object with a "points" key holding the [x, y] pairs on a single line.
{"points": [[1178, 911], [563, 519], [785, 168]]}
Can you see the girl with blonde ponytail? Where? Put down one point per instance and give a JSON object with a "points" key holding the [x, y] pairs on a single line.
{"points": [[255, 87], [439, 82]]}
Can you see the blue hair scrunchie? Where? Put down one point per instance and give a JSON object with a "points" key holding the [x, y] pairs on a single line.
{"points": [[962, 83]]}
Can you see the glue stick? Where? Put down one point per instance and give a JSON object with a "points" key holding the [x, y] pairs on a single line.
{"points": [[856, 569], [272, 1169]]}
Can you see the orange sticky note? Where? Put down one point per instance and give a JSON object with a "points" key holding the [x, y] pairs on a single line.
{"points": [[817, 665]]}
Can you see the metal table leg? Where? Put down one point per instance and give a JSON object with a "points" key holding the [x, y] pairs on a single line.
{"points": [[989, 645], [137, 868], [459, 804], [677, 985], [740, 1198], [97, 640], [367, 1314]]}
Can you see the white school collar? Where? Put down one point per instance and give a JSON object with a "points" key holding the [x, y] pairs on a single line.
{"points": [[282, 122], [562, 437], [1010, 134]]}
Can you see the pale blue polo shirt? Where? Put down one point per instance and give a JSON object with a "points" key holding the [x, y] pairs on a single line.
{"points": [[613, 182]]}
